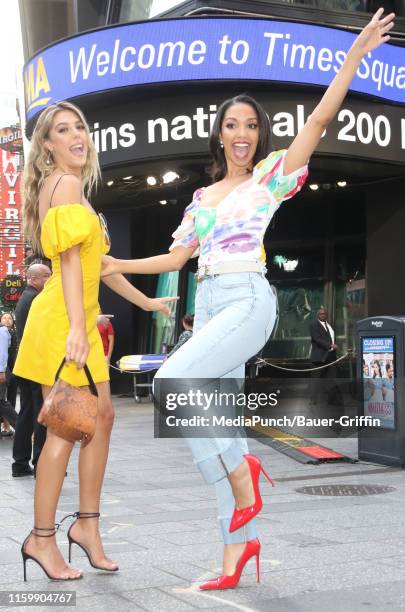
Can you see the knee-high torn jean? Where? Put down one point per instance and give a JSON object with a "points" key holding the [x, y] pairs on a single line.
{"points": [[234, 317]]}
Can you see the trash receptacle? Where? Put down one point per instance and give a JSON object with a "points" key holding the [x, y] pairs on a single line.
{"points": [[381, 368]]}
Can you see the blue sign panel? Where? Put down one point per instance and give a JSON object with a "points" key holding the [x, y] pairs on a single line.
{"points": [[378, 345], [205, 49], [379, 380]]}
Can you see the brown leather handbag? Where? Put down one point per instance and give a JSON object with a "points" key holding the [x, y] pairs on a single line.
{"points": [[71, 412]]}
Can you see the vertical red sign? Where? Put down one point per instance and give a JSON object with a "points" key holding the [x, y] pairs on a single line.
{"points": [[11, 237]]}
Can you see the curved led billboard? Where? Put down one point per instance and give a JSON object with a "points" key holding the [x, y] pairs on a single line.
{"points": [[200, 49], [146, 129]]}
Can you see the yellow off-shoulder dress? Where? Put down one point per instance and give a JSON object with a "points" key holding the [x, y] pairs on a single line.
{"points": [[43, 344]]}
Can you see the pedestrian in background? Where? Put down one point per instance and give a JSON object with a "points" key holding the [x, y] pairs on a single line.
{"points": [[106, 330], [187, 322], [324, 381], [7, 319], [7, 412], [323, 351], [30, 392]]}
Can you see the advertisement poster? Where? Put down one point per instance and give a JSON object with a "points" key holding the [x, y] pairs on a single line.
{"points": [[379, 380], [11, 238]]}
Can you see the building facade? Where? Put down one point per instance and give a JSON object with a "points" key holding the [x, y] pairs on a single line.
{"points": [[150, 89]]}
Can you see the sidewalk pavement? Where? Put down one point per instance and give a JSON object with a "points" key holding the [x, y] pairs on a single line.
{"points": [[339, 554]]}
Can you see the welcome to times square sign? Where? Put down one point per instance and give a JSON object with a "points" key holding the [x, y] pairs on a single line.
{"points": [[205, 49]]}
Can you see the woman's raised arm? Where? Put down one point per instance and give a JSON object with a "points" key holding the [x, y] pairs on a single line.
{"points": [[370, 38]]}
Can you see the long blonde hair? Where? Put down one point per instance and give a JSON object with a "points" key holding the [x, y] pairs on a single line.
{"points": [[40, 165]]}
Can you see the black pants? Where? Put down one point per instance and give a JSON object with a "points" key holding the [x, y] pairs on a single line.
{"points": [[6, 409], [12, 386], [324, 386], [27, 424]]}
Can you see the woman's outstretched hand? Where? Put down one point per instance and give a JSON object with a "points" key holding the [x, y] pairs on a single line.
{"points": [[160, 304], [306, 141], [375, 33]]}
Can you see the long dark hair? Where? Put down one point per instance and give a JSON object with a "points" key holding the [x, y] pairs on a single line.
{"points": [[218, 166]]}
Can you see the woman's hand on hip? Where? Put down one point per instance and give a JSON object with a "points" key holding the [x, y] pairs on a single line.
{"points": [[77, 346]]}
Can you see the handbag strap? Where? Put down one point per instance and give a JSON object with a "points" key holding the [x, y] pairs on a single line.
{"points": [[92, 385]]}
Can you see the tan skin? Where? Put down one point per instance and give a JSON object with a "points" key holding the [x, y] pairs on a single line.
{"points": [[37, 275], [239, 137], [237, 128], [68, 143]]}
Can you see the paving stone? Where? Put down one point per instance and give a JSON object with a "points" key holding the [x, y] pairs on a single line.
{"points": [[387, 598], [155, 600], [187, 538], [159, 523], [112, 601], [244, 597]]}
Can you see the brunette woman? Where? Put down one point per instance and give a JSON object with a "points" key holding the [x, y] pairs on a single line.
{"points": [[235, 307]]}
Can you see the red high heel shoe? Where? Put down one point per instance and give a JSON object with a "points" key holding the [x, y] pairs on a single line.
{"points": [[244, 515], [252, 548]]}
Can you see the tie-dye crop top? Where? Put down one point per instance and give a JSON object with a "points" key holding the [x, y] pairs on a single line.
{"points": [[234, 229]]}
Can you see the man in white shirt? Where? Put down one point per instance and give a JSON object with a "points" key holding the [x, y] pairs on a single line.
{"points": [[323, 348], [323, 351]]}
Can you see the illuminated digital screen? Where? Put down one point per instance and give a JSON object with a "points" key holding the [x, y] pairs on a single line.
{"points": [[378, 362], [182, 50]]}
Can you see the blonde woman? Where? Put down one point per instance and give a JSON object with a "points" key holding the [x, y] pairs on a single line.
{"points": [[59, 221]]}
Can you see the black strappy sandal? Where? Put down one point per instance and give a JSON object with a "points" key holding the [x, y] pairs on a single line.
{"points": [[26, 556], [82, 515]]}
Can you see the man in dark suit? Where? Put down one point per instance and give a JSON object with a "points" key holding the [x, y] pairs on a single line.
{"points": [[323, 349], [30, 392]]}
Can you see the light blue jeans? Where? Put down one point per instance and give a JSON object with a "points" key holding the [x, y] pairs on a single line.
{"points": [[234, 317]]}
